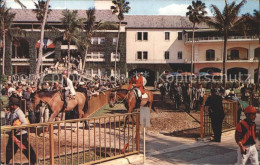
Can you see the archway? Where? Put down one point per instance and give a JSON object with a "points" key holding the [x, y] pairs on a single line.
{"points": [[237, 73], [237, 53], [20, 48], [257, 53], [148, 74], [210, 70]]}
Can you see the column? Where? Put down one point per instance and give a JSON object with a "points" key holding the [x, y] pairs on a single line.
{"points": [[196, 53], [251, 52], [251, 74], [16, 69]]}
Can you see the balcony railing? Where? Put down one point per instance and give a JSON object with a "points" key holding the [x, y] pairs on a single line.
{"points": [[196, 39], [236, 59], [95, 57]]}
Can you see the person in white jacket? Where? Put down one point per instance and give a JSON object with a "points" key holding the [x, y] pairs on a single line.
{"points": [[68, 87]]}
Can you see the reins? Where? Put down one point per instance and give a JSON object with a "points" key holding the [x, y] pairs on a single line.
{"points": [[122, 101]]}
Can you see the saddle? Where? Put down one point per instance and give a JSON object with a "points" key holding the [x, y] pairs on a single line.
{"points": [[144, 96]]}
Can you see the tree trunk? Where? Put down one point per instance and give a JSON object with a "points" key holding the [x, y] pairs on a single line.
{"points": [[39, 62], [3, 60], [224, 60], [68, 65], [192, 47], [258, 74], [117, 46], [84, 63]]}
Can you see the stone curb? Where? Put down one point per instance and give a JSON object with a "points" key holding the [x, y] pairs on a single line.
{"points": [[126, 160]]}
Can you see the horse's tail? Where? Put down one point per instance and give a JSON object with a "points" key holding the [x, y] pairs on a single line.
{"points": [[85, 108]]}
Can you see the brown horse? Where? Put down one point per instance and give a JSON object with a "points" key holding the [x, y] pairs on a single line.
{"points": [[55, 102], [128, 97]]}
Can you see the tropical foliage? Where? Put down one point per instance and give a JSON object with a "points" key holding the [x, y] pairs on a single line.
{"points": [[226, 22], [120, 7], [196, 13]]}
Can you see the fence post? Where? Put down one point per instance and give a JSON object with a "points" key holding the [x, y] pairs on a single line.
{"points": [[51, 136], [138, 132], [201, 121], [235, 110]]}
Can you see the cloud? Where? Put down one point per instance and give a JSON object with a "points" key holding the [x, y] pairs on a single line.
{"points": [[173, 9], [28, 3], [177, 9]]}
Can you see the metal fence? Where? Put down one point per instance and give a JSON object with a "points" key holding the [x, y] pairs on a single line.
{"points": [[229, 123], [76, 141]]}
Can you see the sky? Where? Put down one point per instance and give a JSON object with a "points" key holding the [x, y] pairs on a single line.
{"points": [[143, 7]]}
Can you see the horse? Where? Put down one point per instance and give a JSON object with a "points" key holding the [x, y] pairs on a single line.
{"points": [[55, 101], [129, 98]]}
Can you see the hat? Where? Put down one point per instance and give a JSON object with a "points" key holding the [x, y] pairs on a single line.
{"points": [[250, 109], [81, 83], [14, 101], [65, 72]]}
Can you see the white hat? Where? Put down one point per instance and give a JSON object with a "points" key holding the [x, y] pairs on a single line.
{"points": [[81, 83]]}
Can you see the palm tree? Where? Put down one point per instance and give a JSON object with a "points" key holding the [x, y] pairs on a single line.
{"points": [[90, 26], [196, 15], [120, 8], [224, 23], [41, 11], [71, 24], [6, 22], [252, 25]]}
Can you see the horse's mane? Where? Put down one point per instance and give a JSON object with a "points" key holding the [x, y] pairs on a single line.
{"points": [[125, 91], [44, 93]]}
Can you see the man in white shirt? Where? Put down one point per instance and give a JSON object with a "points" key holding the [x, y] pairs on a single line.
{"points": [[10, 89], [69, 88]]}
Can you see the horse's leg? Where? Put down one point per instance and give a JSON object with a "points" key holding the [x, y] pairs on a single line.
{"points": [[46, 114], [53, 115], [41, 114]]}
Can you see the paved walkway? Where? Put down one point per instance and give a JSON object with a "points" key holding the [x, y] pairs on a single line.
{"points": [[163, 150]]}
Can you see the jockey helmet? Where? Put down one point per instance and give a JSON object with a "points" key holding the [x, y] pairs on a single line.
{"points": [[250, 109], [65, 73]]}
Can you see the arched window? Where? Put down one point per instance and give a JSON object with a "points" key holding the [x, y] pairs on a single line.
{"points": [[234, 54], [210, 55]]}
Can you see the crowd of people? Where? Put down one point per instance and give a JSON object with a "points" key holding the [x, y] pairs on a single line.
{"points": [[23, 90]]}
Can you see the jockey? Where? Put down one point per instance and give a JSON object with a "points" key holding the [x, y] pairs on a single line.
{"points": [[69, 89], [132, 81], [139, 85]]}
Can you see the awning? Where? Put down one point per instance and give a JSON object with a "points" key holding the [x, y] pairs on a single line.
{"points": [[47, 44]]}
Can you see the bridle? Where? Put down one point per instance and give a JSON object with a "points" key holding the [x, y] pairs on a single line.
{"points": [[121, 101]]}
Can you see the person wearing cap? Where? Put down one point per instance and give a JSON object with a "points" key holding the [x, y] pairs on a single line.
{"points": [[68, 87], [82, 87], [16, 118], [232, 96], [246, 139], [216, 114]]}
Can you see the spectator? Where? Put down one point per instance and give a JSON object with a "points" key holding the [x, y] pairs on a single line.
{"points": [[17, 117], [216, 113], [246, 139]]}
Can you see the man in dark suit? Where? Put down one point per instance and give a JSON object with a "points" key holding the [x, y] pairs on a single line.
{"points": [[216, 113]]}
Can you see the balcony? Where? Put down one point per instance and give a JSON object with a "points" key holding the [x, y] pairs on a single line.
{"points": [[217, 39], [95, 58]]}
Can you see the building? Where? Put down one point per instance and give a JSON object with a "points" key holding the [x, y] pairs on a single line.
{"points": [[149, 43], [21, 54], [156, 44]]}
